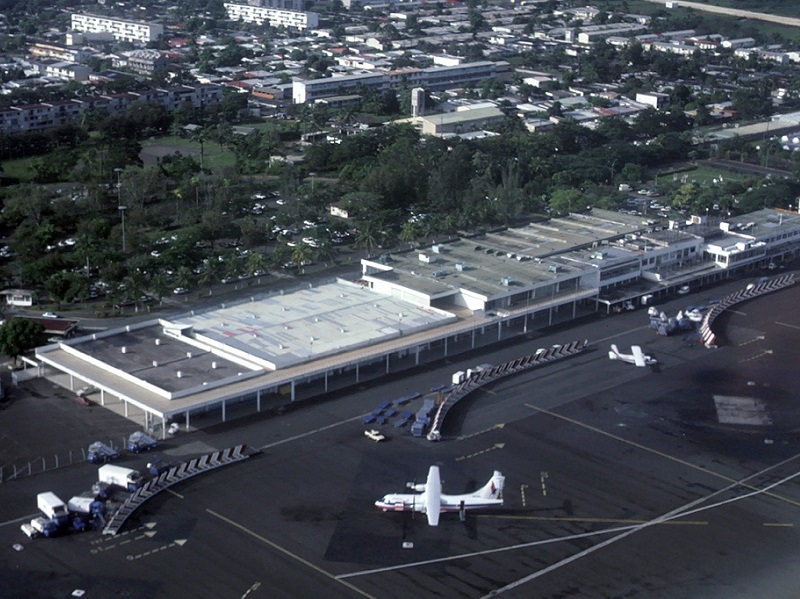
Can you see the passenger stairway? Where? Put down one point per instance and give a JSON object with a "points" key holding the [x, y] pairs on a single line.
{"points": [[479, 379], [170, 477]]}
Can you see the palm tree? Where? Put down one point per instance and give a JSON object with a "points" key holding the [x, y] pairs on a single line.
{"points": [[326, 252], [367, 237], [301, 255], [256, 263], [183, 277], [410, 233]]}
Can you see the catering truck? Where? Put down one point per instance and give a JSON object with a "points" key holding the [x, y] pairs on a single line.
{"points": [[126, 478], [52, 507]]}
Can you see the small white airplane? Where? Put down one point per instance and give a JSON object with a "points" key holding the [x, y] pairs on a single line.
{"points": [[432, 502], [636, 356]]}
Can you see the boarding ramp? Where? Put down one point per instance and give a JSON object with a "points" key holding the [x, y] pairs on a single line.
{"points": [[707, 335], [479, 379], [171, 477]]}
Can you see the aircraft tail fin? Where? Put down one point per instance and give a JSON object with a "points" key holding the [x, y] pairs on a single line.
{"points": [[494, 488]]}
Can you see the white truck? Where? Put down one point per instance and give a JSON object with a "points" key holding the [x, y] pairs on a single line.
{"points": [[127, 478], [52, 507]]}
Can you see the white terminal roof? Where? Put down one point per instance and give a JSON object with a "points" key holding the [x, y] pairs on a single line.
{"points": [[205, 355], [284, 330]]}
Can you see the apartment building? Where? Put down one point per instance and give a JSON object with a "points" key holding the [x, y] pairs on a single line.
{"points": [[128, 31], [275, 17], [37, 117], [143, 62], [60, 52]]}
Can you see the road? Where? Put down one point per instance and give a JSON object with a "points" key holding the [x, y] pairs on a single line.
{"points": [[735, 12]]}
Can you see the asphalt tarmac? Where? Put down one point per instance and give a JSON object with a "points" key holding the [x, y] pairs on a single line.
{"points": [[676, 480]]}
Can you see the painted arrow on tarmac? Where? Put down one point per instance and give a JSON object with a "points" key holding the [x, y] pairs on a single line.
{"points": [[477, 453], [148, 535], [176, 542]]}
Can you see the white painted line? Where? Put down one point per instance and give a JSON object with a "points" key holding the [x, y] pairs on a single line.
{"points": [[786, 324], [737, 312], [20, 519], [582, 535], [685, 510], [314, 432], [618, 335]]}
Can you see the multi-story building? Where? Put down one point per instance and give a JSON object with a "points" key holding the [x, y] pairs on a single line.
{"points": [[68, 71], [144, 62], [433, 78], [128, 31], [60, 52], [275, 17], [37, 117]]}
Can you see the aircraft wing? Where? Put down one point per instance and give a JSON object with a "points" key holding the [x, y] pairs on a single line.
{"points": [[638, 356], [433, 496]]}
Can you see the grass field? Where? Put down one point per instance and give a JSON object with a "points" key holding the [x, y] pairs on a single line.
{"points": [[701, 175], [20, 168]]}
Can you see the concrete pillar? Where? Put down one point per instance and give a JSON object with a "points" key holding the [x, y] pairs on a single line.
{"points": [[163, 427], [445, 347], [550, 316], [71, 383], [525, 324], [102, 397], [126, 408], [357, 372], [223, 410], [292, 391], [574, 308], [258, 400], [387, 363], [416, 359], [326, 381], [499, 330], [473, 339], [187, 420]]}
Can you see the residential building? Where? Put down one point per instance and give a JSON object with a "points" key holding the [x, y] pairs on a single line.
{"points": [[275, 17], [143, 62], [128, 31]]}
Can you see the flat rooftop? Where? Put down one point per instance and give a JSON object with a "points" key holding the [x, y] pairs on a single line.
{"points": [[279, 331]]}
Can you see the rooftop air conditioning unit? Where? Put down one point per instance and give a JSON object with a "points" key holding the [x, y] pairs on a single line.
{"points": [[554, 268]]}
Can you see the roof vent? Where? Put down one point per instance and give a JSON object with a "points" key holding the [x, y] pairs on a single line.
{"points": [[124, 350], [179, 373], [505, 281], [213, 365], [158, 341], [554, 268], [155, 363], [188, 354]]}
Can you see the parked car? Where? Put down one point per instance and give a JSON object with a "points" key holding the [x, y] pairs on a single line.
{"points": [[374, 435]]}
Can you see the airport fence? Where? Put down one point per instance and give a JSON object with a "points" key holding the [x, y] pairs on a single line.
{"points": [[41, 464]]}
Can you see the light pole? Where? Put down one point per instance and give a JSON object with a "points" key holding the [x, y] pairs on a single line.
{"points": [[120, 207]]}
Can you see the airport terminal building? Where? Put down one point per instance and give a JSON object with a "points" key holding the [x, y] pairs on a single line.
{"points": [[407, 308]]}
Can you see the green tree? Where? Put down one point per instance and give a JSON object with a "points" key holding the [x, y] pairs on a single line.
{"points": [[19, 335], [301, 254], [564, 201]]}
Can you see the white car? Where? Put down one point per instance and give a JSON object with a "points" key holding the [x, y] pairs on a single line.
{"points": [[374, 435], [50, 315], [180, 291], [684, 289]]}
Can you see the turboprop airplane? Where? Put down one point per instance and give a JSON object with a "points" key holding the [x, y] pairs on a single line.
{"points": [[636, 356], [432, 502]]}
